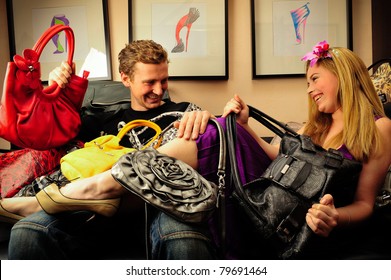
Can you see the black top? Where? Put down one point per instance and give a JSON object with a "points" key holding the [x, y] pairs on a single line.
{"points": [[97, 125]]}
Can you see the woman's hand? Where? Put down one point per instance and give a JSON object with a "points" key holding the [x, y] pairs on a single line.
{"points": [[61, 74], [322, 217], [239, 107], [193, 124]]}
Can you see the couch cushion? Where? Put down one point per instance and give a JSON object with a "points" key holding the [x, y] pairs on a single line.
{"points": [[107, 96]]}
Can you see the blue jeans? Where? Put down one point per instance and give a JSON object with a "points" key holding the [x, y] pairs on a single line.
{"points": [[173, 240], [84, 235], [43, 236]]}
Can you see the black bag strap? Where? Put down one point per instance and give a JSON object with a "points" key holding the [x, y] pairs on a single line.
{"points": [[221, 194], [379, 62], [271, 123], [221, 172], [231, 146], [274, 125]]}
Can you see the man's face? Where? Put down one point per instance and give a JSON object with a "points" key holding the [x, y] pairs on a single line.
{"points": [[149, 83]]}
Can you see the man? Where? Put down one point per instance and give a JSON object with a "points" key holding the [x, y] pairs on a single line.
{"points": [[85, 235]]}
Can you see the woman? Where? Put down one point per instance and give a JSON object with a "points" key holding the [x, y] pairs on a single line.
{"points": [[345, 113]]}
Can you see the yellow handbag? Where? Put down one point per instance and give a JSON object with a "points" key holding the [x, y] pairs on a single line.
{"points": [[101, 153]]}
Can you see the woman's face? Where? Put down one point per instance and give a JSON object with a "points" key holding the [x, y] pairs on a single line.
{"points": [[323, 88]]}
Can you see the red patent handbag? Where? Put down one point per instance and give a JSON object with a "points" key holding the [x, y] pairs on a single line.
{"points": [[35, 117]]}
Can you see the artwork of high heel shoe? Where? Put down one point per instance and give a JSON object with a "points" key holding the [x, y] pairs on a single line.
{"points": [[53, 201], [299, 18], [59, 19], [186, 21]]}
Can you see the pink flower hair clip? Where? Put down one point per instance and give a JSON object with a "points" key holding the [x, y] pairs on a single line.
{"points": [[321, 50]]}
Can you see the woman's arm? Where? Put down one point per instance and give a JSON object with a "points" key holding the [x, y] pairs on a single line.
{"points": [[186, 150], [240, 108], [323, 217]]}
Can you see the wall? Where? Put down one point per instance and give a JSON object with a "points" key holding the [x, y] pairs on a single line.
{"points": [[4, 56], [362, 30], [284, 98]]}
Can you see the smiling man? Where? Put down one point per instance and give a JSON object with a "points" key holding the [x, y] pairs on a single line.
{"points": [[143, 66]]}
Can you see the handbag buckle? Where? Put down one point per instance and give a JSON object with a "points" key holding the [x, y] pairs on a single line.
{"points": [[286, 230], [383, 199], [286, 165], [289, 226]]}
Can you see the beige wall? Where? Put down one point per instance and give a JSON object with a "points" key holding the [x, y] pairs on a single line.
{"points": [[4, 46], [4, 57], [284, 98]]}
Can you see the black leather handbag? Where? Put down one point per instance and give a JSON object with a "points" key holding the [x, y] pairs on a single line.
{"points": [[277, 202]]}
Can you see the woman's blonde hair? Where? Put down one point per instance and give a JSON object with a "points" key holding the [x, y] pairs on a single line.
{"points": [[359, 103]]}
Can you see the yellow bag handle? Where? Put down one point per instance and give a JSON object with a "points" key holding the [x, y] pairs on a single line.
{"points": [[138, 123]]}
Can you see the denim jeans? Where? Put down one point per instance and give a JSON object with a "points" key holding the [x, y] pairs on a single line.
{"points": [[84, 235], [43, 236], [77, 235], [174, 240]]}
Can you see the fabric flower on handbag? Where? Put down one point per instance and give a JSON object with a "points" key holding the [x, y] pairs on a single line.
{"points": [[167, 183], [321, 50], [29, 72], [169, 176]]}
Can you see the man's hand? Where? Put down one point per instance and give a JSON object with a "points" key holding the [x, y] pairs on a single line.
{"points": [[193, 124], [61, 74]]}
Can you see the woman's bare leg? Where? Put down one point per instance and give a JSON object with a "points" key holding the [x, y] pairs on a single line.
{"points": [[184, 150], [103, 185], [100, 186], [22, 206]]}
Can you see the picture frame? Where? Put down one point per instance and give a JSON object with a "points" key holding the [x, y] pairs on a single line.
{"points": [[197, 51], [283, 31], [28, 20]]}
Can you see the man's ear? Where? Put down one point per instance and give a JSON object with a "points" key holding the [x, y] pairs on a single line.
{"points": [[125, 79]]}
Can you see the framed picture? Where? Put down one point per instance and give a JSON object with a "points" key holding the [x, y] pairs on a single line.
{"points": [[28, 20], [283, 31], [194, 33]]}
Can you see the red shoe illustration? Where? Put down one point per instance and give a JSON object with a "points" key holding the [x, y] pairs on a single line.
{"points": [[186, 21]]}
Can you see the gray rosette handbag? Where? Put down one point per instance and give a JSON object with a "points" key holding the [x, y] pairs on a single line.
{"points": [[171, 185]]}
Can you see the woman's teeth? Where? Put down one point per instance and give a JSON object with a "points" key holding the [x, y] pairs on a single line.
{"points": [[318, 97]]}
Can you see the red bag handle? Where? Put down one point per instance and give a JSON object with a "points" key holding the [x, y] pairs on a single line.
{"points": [[53, 90], [50, 33]]}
